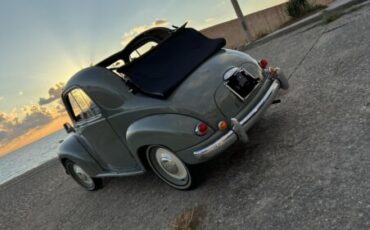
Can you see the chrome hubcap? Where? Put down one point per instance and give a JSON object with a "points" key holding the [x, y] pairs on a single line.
{"points": [[171, 164], [82, 175]]}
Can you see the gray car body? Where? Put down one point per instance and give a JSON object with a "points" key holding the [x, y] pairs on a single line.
{"points": [[114, 143]]}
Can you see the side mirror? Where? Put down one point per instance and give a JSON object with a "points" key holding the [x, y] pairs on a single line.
{"points": [[69, 128]]}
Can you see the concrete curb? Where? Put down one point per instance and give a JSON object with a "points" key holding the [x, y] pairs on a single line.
{"points": [[343, 6], [305, 21]]}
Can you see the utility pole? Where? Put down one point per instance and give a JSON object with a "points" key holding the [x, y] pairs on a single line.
{"points": [[242, 20]]}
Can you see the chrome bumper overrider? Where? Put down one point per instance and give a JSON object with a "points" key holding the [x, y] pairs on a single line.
{"points": [[239, 127]]}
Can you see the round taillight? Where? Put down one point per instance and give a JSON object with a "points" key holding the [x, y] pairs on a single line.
{"points": [[201, 129], [263, 63]]}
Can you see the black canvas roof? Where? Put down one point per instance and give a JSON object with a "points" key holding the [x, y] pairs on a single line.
{"points": [[159, 71]]}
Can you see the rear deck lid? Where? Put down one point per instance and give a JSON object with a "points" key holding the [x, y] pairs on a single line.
{"points": [[159, 71]]}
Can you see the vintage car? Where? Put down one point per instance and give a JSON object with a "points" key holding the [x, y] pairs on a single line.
{"points": [[171, 99]]}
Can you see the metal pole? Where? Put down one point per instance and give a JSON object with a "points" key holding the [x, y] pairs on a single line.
{"points": [[242, 20]]}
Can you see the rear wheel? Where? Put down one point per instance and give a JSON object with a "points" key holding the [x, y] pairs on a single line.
{"points": [[82, 178], [170, 168]]}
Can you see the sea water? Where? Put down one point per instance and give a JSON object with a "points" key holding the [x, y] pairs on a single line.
{"points": [[30, 156]]}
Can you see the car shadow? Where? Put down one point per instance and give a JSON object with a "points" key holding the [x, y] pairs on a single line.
{"points": [[248, 159]]}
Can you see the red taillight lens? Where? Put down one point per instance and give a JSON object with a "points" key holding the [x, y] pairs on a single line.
{"points": [[201, 129], [263, 63]]}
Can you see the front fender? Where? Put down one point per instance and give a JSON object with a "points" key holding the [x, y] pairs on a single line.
{"points": [[71, 149], [173, 131]]}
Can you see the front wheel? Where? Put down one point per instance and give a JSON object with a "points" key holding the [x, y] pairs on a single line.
{"points": [[82, 178], [170, 168]]}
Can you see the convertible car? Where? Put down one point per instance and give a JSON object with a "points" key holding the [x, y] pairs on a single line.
{"points": [[171, 99]]}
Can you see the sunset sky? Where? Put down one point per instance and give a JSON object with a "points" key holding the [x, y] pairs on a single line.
{"points": [[42, 43]]}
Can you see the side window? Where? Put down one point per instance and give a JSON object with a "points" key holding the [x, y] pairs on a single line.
{"points": [[142, 50], [83, 108]]}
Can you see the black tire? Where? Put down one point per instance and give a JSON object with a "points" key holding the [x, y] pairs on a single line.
{"points": [[94, 183], [186, 177]]}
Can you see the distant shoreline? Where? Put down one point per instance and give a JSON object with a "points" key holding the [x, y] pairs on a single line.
{"points": [[32, 136], [29, 157], [26, 145]]}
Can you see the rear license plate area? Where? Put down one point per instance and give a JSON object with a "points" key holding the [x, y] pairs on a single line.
{"points": [[241, 83]]}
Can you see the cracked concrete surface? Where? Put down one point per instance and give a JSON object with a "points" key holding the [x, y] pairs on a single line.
{"points": [[306, 165]]}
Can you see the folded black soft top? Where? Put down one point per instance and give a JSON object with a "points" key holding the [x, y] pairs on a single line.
{"points": [[159, 71]]}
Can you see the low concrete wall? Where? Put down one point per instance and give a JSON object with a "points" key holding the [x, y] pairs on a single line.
{"points": [[259, 23]]}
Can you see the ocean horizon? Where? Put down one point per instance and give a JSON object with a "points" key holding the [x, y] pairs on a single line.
{"points": [[30, 156]]}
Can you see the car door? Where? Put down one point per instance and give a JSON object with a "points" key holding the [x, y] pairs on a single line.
{"points": [[97, 133]]}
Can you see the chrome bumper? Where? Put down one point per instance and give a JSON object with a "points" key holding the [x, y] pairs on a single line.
{"points": [[239, 127]]}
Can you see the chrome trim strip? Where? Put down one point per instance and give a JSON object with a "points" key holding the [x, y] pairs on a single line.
{"points": [[231, 137], [119, 174], [274, 86], [217, 147]]}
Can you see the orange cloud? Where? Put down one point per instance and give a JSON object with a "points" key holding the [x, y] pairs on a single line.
{"points": [[33, 134], [54, 94], [128, 36], [27, 121]]}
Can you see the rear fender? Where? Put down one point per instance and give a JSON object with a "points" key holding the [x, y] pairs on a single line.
{"points": [[173, 131]]}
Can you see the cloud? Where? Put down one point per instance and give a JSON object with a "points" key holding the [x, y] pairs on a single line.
{"points": [[19, 122], [12, 126], [2, 135], [160, 22], [2, 117], [128, 36], [210, 20], [60, 109], [35, 116], [7, 120], [54, 94]]}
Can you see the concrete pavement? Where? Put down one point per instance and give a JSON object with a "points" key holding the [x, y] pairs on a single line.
{"points": [[306, 166], [335, 6]]}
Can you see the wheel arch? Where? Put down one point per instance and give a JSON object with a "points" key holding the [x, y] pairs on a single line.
{"points": [[141, 152], [71, 149], [173, 131]]}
